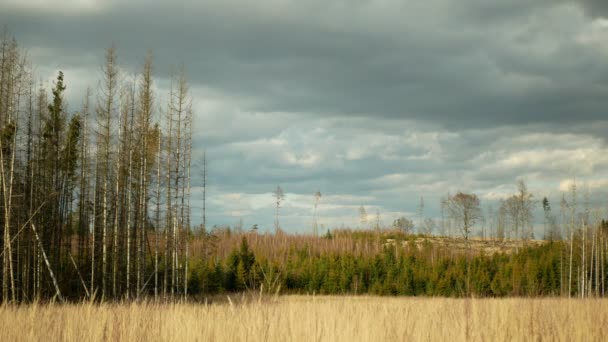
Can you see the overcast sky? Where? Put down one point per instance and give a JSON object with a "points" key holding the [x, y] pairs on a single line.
{"points": [[370, 102]]}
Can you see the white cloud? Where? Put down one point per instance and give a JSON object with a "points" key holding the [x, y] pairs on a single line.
{"points": [[565, 185], [374, 103]]}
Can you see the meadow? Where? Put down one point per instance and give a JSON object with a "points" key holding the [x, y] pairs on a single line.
{"points": [[313, 318]]}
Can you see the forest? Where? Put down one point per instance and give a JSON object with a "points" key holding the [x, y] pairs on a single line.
{"points": [[96, 206], [93, 201]]}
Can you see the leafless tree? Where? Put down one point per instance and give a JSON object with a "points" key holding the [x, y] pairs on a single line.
{"points": [[317, 199], [465, 209], [106, 113], [279, 196], [377, 221], [404, 224], [429, 226], [421, 215], [363, 216]]}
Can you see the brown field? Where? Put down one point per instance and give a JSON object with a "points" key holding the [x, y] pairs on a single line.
{"points": [[309, 318]]}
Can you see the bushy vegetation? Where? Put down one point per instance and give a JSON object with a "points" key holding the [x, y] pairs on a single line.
{"points": [[396, 269]]}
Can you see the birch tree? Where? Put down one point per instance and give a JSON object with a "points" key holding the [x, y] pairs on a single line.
{"points": [[465, 209], [106, 113], [316, 200]]}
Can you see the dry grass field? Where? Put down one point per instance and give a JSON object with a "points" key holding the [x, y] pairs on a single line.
{"points": [[308, 318]]}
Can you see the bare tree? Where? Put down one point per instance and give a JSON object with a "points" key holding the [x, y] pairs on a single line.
{"points": [[465, 209], [572, 207], [404, 224], [105, 117], [421, 215], [377, 221], [443, 202], [157, 221], [429, 226], [501, 220], [90, 195], [317, 199], [491, 219], [525, 204], [279, 196], [204, 189], [546, 211], [363, 216]]}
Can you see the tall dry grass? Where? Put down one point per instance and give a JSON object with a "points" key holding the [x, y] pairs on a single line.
{"points": [[276, 247], [367, 243], [308, 318]]}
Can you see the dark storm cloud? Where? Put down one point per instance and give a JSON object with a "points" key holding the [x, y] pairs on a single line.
{"points": [[595, 8], [373, 103], [484, 65]]}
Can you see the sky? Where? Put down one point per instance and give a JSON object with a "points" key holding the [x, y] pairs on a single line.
{"points": [[374, 103]]}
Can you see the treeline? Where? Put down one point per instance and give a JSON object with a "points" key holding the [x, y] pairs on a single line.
{"points": [[401, 267], [94, 203]]}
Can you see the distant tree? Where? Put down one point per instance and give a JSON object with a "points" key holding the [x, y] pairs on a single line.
{"points": [[553, 228], [421, 215], [511, 208], [563, 209], [465, 209], [482, 221], [572, 207], [404, 224], [362, 216], [317, 199], [491, 220], [501, 220], [279, 196], [238, 227], [429, 226], [204, 180], [444, 205], [547, 212], [377, 220], [525, 202]]}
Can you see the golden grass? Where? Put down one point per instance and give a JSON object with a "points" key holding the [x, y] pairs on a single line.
{"points": [[308, 318], [276, 247]]}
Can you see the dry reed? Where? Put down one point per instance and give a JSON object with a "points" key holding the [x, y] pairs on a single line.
{"points": [[310, 318]]}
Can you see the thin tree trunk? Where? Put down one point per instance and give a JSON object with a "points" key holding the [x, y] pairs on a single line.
{"points": [[189, 156], [204, 189], [169, 212], [583, 276], [592, 283], [570, 271], [48, 265], [8, 195], [156, 229], [104, 236], [116, 212], [93, 232], [79, 275]]}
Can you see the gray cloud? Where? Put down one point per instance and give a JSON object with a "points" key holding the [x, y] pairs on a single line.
{"points": [[378, 102], [595, 8], [485, 65]]}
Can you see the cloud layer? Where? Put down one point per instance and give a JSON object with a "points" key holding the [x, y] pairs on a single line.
{"points": [[373, 103]]}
